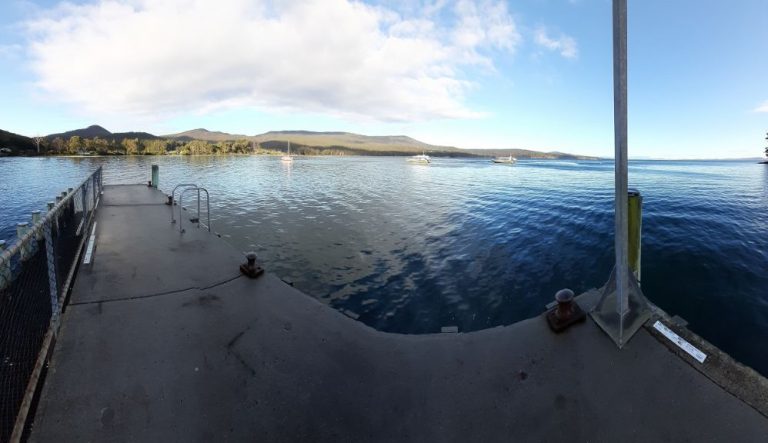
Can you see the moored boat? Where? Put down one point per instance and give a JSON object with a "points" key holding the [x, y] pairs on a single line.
{"points": [[505, 160], [287, 158], [421, 159]]}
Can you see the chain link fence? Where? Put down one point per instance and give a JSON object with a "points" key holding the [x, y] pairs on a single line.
{"points": [[36, 274]]}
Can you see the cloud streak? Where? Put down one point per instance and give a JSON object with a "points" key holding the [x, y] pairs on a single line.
{"points": [[157, 58], [763, 107], [565, 45]]}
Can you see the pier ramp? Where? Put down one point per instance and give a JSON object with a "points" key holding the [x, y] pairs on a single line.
{"points": [[164, 340]]}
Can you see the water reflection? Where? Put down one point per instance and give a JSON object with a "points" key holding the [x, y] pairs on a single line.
{"points": [[413, 248]]}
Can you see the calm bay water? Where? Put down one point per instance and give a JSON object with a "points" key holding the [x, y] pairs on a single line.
{"points": [[412, 248]]}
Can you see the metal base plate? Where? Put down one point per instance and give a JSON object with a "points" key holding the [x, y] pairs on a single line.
{"points": [[621, 328]]}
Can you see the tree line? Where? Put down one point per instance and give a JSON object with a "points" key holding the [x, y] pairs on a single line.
{"points": [[77, 145], [133, 146]]}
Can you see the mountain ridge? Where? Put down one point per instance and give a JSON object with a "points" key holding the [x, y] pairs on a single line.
{"points": [[308, 142], [99, 131]]}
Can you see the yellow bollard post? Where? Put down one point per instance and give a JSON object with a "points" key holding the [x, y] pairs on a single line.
{"points": [[635, 222]]}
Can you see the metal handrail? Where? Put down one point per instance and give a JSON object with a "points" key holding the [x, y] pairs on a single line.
{"points": [[173, 196], [207, 206], [32, 232]]}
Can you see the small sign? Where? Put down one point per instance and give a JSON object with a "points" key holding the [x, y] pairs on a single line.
{"points": [[693, 351]]}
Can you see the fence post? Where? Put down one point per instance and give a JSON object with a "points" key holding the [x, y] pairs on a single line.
{"points": [[635, 221], [84, 196], [35, 220], [55, 217], [21, 229], [52, 281], [5, 269], [93, 187], [69, 206]]}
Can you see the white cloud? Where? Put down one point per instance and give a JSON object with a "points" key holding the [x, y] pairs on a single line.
{"points": [[763, 107], [563, 44], [340, 57]]}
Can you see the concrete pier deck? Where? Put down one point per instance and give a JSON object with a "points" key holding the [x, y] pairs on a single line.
{"points": [[163, 340]]}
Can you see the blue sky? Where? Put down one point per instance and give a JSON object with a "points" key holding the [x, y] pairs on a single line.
{"points": [[532, 74]]}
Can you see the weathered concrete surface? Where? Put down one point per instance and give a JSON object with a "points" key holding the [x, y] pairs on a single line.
{"points": [[256, 360], [140, 253], [122, 195]]}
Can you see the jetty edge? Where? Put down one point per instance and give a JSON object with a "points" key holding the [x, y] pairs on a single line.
{"points": [[164, 339]]}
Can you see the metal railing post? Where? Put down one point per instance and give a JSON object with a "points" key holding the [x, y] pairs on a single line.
{"points": [[84, 198], [52, 281], [93, 186], [55, 217], [5, 268]]}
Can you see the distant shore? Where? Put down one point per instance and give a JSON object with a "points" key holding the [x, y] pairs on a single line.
{"points": [[299, 155]]}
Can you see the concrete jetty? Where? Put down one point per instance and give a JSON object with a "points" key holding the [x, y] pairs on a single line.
{"points": [[164, 340]]}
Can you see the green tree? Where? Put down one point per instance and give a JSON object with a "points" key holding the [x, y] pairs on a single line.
{"points": [[74, 144], [198, 147], [100, 145], [241, 147], [132, 146], [155, 147]]}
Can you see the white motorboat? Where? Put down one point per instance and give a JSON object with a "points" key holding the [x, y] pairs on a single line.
{"points": [[505, 160], [421, 159]]}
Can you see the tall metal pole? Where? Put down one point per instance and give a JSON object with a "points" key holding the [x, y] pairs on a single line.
{"points": [[620, 135], [622, 309]]}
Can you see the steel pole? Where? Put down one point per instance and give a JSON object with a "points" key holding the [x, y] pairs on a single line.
{"points": [[620, 144]]}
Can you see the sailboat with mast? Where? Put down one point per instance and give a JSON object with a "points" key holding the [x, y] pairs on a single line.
{"points": [[287, 158]]}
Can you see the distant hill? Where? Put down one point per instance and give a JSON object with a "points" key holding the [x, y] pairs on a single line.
{"points": [[94, 131], [312, 142], [89, 132], [139, 135], [17, 143], [526, 153], [355, 143], [205, 135]]}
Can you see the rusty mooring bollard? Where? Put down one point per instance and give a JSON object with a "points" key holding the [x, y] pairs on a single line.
{"points": [[170, 200], [250, 267], [566, 312]]}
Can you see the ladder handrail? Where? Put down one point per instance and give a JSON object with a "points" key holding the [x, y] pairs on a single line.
{"points": [[207, 205], [173, 196]]}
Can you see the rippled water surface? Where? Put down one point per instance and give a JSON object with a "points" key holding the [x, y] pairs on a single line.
{"points": [[411, 248]]}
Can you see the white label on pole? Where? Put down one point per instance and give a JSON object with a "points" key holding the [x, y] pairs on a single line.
{"points": [[680, 342]]}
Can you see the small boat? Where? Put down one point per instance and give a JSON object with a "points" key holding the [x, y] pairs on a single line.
{"points": [[287, 158], [505, 160], [421, 159]]}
